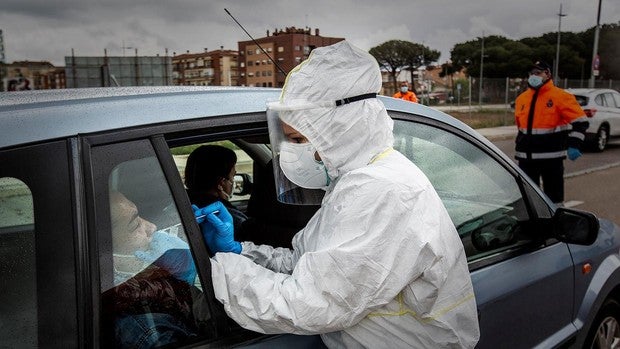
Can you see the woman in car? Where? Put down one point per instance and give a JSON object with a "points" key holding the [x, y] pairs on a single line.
{"points": [[209, 174]]}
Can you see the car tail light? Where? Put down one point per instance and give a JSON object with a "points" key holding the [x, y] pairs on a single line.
{"points": [[590, 112]]}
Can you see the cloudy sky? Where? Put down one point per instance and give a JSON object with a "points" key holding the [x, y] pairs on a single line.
{"points": [[47, 30]]}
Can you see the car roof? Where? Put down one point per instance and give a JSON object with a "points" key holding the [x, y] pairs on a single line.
{"points": [[34, 116], [588, 91]]}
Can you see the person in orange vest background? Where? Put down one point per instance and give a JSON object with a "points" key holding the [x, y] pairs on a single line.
{"points": [[551, 127], [405, 94]]}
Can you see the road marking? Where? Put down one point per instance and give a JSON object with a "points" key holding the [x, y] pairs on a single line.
{"points": [[572, 203]]}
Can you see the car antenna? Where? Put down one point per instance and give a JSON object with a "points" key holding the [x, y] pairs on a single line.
{"points": [[257, 44]]}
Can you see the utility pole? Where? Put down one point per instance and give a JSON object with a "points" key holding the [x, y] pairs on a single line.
{"points": [[595, 48], [556, 64], [481, 67], [125, 47]]}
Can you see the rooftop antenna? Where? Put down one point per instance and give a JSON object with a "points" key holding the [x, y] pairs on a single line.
{"points": [[257, 44]]}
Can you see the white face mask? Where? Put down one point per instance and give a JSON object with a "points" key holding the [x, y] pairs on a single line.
{"points": [[535, 81], [404, 89], [230, 194], [300, 167]]}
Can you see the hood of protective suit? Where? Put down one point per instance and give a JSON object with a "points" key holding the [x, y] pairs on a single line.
{"points": [[346, 137]]}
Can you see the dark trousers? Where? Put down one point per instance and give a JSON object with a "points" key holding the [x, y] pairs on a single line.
{"points": [[551, 171]]}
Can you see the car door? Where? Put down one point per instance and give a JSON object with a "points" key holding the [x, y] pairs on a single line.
{"points": [[153, 284], [38, 238], [613, 101], [523, 284]]}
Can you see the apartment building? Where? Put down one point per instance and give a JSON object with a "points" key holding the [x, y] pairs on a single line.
{"points": [[208, 68], [32, 75], [287, 47]]}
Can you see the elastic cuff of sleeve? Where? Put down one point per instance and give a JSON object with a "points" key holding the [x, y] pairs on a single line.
{"points": [[237, 248]]}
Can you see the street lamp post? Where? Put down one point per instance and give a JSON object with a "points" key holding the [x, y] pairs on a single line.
{"points": [[595, 48], [481, 67], [556, 64]]}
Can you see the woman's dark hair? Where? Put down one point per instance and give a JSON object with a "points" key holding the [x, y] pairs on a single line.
{"points": [[206, 165]]}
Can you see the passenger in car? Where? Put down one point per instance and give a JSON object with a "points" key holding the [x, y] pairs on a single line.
{"points": [[380, 264], [136, 243], [152, 303], [209, 177]]}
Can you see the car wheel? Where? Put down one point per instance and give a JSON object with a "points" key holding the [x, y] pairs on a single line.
{"points": [[605, 331], [602, 136]]}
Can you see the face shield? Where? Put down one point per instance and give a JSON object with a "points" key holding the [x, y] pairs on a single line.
{"points": [[300, 176]]}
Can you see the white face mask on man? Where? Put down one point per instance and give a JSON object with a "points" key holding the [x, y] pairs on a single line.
{"points": [[404, 89], [535, 81], [300, 167]]}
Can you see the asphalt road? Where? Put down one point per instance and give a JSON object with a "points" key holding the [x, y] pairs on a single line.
{"points": [[592, 181]]}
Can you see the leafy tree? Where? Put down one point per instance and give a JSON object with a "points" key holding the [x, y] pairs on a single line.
{"points": [[512, 58], [390, 56], [397, 55], [417, 55]]}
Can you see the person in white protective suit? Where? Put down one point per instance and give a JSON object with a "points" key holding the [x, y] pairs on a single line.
{"points": [[380, 264]]}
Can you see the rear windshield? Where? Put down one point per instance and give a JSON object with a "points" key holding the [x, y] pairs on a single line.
{"points": [[582, 100]]}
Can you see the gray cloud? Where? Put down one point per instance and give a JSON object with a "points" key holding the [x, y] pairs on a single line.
{"points": [[48, 30]]}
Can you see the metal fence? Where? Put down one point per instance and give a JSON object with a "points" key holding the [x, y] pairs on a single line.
{"points": [[497, 91]]}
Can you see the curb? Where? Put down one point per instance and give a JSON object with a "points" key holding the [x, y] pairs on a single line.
{"points": [[590, 170]]}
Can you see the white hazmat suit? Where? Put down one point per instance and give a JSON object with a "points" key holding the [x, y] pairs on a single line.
{"points": [[380, 264]]}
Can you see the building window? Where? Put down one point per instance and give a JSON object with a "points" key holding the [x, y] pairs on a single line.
{"points": [[281, 49], [250, 63], [268, 49], [242, 64], [257, 51], [249, 52], [297, 59], [297, 48], [257, 62], [264, 62]]}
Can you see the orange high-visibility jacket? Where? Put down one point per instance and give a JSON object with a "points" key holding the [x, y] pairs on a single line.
{"points": [[549, 120], [408, 96]]}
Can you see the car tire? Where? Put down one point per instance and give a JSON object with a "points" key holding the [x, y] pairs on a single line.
{"points": [[605, 330], [602, 137]]}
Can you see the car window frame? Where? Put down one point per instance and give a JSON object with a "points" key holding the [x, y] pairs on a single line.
{"points": [[536, 206], [162, 138], [58, 307]]}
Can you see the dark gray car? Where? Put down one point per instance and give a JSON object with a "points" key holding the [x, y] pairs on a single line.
{"points": [[543, 276]]}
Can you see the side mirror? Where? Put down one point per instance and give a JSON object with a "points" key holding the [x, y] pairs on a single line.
{"points": [[242, 184], [574, 226]]}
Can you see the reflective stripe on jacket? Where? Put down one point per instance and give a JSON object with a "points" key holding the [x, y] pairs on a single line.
{"points": [[408, 96], [549, 120]]}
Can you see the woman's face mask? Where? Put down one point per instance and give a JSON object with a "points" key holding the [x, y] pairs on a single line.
{"points": [[300, 167], [404, 89]]}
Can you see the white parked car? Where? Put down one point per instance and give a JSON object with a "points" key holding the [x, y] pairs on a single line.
{"points": [[602, 106]]}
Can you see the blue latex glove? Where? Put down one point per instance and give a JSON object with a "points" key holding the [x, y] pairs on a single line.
{"points": [[573, 153], [171, 253], [218, 229]]}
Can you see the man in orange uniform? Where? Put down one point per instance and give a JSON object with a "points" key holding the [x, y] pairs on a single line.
{"points": [[405, 94], [551, 126]]}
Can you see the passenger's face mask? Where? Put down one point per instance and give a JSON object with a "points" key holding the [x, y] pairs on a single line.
{"points": [[300, 167], [404, 89], [535, 81], [228, 193]]}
